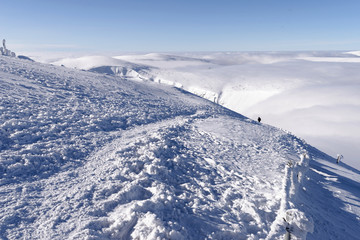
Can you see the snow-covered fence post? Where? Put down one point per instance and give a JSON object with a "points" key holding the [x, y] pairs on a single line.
{"points": [[297, 172], [297, 224], [287, 234], [339, 157]]}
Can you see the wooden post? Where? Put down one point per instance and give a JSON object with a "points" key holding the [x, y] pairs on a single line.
{"points": [[287, 236]]}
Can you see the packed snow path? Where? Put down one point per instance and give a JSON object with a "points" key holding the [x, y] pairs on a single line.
{"points": [[90, 156]]}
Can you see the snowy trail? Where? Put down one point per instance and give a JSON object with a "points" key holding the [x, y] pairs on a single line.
{"points": [[151, 167], [98, 178]]}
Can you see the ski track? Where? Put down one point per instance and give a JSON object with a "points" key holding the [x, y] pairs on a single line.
{"points": [[90, 156]]}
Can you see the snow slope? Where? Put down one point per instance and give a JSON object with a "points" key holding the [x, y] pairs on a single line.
{"points": [[95, 156], [312, 94]]}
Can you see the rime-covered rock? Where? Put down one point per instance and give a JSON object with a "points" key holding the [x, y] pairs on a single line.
{"points": [[6, 52]]}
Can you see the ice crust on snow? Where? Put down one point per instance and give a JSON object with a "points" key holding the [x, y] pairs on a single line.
{"points": [[93, 156]]}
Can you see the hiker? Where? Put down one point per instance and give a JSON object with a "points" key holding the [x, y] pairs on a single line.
{"points": [[259, 119]]}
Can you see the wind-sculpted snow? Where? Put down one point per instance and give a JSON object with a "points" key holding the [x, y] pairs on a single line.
{"points": [[50, 118], [93, 156]]}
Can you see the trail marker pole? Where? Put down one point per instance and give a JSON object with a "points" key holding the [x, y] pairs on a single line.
{"points": [[339, 157]]}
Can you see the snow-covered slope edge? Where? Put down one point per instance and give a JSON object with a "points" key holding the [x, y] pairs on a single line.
{"points": [[312, 94], [85, 155]]}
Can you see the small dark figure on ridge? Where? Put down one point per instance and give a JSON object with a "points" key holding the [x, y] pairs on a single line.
{"points": [[259, 119]]}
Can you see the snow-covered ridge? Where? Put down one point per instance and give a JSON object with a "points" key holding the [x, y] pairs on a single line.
{"points": [[313, 94], [356, 53], [86, 155], [89, 62]]}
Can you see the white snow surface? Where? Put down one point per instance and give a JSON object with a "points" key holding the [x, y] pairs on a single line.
{"points": [[312, 94], [95, 156]]}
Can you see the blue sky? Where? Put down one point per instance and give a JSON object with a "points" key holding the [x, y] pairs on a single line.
{"points": [[172, 25]]}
